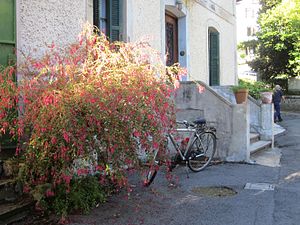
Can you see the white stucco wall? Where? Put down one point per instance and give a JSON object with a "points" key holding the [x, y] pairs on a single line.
{"points": [[144, 21], [227, 5], [200, 19], [42, 22]]}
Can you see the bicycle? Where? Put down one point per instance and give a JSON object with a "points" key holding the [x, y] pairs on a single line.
{"points": [[197, 153]]}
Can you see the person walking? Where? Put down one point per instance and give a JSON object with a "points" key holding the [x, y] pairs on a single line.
{"points": [[277, 97]]}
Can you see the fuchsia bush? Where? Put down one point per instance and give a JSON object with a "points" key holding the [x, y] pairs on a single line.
{"points": [[92, 96]]}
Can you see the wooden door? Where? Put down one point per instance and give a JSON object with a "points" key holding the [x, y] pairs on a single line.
{"points": [[171, 27]]}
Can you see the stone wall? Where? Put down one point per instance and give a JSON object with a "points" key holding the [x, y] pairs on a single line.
{"points": [[294, 84], [291, 103]]}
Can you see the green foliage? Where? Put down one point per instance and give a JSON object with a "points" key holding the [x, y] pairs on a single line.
{"points": [[255, 87], [83, 195], [243, 55], [279, 40], [238, 87], [252, 44], [268, 4]]}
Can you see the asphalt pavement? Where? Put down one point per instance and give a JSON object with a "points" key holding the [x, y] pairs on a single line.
{"points": [[222, 194]]}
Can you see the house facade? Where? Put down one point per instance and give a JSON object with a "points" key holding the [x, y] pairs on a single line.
{"points": [[199, 34], [246, 15]]}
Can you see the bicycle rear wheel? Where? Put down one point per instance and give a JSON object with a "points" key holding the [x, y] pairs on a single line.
{"points": [[202, 151], [151, 170]]}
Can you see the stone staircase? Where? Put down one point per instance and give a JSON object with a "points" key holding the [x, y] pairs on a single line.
{"points": [[14, 204], [258, 145]]}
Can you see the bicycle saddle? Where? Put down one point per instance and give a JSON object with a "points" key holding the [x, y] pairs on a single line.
{"points": [[200, 121]]}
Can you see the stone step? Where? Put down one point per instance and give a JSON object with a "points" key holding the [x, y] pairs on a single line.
{"points": [[14, 211], [254, 137], [259, 145], [10, 190], [14, 204]]}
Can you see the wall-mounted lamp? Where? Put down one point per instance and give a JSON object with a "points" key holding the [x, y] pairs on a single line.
{"points": [[179, 4]]}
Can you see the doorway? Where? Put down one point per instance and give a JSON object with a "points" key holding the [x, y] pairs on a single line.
{"points": [[214, 57], [171, 27]]}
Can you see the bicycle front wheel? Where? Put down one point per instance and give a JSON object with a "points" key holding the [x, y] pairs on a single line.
{"points": [[152, 170], [202, 151]]}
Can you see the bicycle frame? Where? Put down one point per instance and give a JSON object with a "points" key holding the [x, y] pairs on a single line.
{"points": [[193, 135], [188, 153]]}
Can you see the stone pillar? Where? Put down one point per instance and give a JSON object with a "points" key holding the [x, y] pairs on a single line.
{"points": [[240, 138], [266, 123]]}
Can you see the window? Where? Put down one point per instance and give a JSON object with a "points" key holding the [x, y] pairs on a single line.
{"points": [[108, 18], [251, 31], [249, 13]]}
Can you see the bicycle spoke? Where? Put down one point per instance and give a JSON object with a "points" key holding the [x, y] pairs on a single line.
{"points": [[202, 151]]}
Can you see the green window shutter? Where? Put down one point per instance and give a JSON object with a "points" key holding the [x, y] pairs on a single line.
{"points": [[7, 54], [115, 20], [214, 59], [7, 32], [108, 18]]}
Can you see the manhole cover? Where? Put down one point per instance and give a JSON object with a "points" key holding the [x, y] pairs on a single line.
{"points": [[260, 186], [219, 191]]}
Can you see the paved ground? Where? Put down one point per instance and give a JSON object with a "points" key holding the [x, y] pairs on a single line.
{"points": [[184, 203]]}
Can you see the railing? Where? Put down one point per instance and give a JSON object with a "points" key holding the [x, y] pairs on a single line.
{"points": [[261, 119]]}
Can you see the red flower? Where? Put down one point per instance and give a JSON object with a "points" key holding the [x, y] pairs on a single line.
{"points": [[66, 136], [176, 84], [201, 89]]}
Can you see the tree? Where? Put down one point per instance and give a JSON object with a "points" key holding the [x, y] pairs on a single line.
{"points": [[268, 4], [278, 40]]}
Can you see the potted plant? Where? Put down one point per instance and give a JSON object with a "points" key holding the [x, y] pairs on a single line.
{"points": [[266, 96], [258, 90], [240, 92]]}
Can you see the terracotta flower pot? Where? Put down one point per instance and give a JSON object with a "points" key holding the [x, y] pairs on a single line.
{"points": [[266, 97], [241, 96]]}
